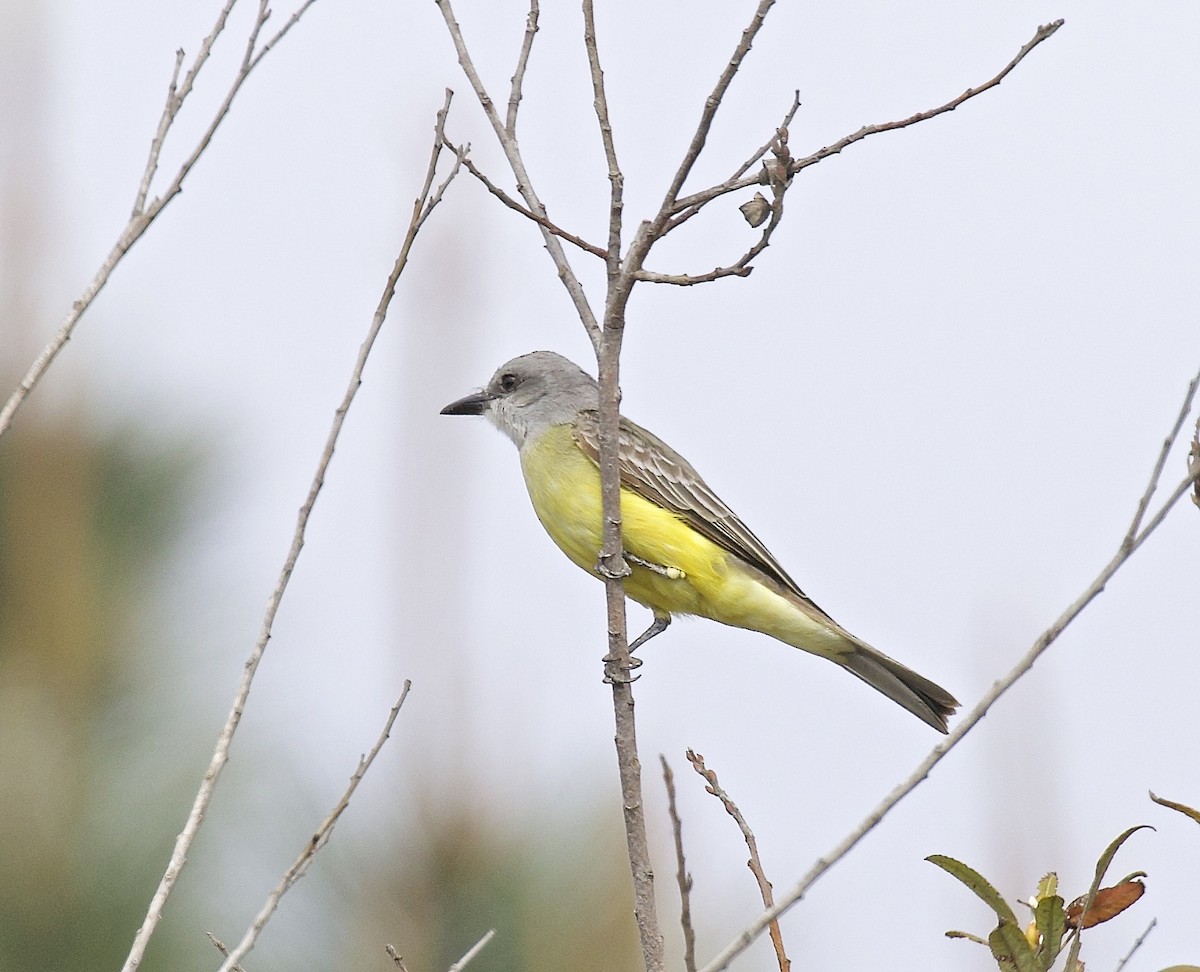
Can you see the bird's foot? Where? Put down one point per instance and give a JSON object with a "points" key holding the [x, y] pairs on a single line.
{"points": [[617, 670], [612, 573]]}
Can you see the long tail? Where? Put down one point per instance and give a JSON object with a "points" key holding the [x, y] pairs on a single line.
{"points": [[927, 700]]}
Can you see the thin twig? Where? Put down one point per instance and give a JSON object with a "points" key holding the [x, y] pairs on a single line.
{"points": [[1125, 551], [712, 103], [220, 946], [291, 21], [518, 78], [512, 152], [1167, 445], [528, 213], [682, 217], [681, 873], [616, 180], [755, 862], [397, 959], [144, 214], [1136, 945], [421, 209], [788, 117], [733, 185], [472, 951], [318, 840], [687, 280]]}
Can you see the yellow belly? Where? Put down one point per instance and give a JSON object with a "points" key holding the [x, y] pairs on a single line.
{"points": [[564, 485]]}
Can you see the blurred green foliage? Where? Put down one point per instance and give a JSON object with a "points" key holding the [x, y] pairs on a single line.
{"points": [[85, 523]]}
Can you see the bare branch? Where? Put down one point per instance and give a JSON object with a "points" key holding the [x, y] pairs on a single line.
{"points": [[681, 875], [518, 78], [472, 951], [223, 949], [617, 662], [144, 215], [528, 213], [1136, 945], [512, 152], [615, 178], [734, 184], [318, 840], [766, 147], [969, 721], [711, 105], [1156, 473], [421, 209], [686, 280], [291, 22], [458, 966], [755, 862], [170, 109]]}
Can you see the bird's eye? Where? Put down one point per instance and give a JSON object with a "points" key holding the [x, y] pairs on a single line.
{"points": [[508, 382]]}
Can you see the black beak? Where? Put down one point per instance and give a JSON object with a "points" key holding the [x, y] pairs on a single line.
{"points": [[470, 405]]}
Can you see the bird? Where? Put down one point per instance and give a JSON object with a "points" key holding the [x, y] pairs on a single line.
{"points": [[688, 553]]}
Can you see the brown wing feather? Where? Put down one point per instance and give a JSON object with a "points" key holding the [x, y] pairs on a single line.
{"points": [[655, 471]]}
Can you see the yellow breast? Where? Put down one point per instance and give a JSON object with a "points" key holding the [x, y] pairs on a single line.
{"points": [[564, 485], [707, 580]]}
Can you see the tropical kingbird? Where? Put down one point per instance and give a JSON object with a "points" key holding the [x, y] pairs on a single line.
{"points": [[687, 551]]}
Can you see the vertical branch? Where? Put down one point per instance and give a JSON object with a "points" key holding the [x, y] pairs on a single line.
{"points": [[681, 875], [518, 78], [615, 178], [612, 561], [613, 567]]}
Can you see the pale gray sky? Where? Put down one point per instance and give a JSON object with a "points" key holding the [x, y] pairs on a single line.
{"points": [[937, 400]]}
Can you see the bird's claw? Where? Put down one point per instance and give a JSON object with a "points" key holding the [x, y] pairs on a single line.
{"points": [[618, 670]]}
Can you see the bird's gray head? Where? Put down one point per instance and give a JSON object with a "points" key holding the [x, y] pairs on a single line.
{"points": [[529, 394]]}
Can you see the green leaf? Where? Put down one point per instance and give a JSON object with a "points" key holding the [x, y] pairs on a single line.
{"points": [[1111, 851], [1184, 809], [1011, 949], [1051, 918], [977, 883], [967, 935], [1101, 866]]}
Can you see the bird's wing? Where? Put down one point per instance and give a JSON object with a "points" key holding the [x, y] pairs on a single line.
{"points": [[656, 472]]}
